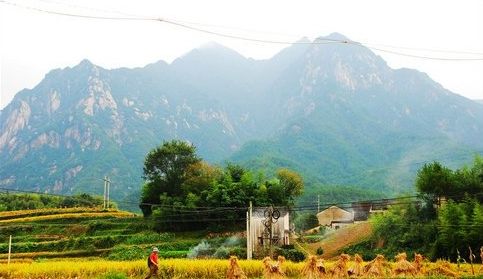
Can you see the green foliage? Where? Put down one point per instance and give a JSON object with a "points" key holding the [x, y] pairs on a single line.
{"points": [[165, 169], [173, 254], [319, 251], [128, 253], [435, 180], [150, 238], [306, 221], [435, 228], [290, 254], [183, 185], [291, 184], [9, 202], [113, 275]]}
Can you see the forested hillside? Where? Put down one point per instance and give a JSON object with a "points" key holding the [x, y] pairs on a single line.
{"points": [[336, 113]]}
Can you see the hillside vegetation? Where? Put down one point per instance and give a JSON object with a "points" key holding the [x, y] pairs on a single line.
{"points": [[83, 232], [334, 113]]}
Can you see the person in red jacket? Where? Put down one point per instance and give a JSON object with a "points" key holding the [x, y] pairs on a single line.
{"points": [[153, 263]]}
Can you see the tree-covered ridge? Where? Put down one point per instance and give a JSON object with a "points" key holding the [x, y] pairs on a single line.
{"points": [[447, 220], [330, 112], [180, 186], [14, 201]]}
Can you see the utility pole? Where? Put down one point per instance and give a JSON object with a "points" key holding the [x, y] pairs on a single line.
{"points": [[105, 193], [9, 248], [249, 232], [107, 185]]}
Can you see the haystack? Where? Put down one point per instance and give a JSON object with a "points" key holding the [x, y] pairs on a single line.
{"points": [[339, 269], [357, 269], [234, 270], [418, 264], [314, 268], [481, 257], [443, 268], [281, 260], [403, 267], [375, 268], [272, 269]]}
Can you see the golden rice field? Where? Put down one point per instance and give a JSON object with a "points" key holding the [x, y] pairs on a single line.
{"points": [[117, 214], [173, 268], [47, 211]]}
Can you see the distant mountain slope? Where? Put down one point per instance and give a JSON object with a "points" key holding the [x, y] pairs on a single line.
{"points": [[335, 112]]}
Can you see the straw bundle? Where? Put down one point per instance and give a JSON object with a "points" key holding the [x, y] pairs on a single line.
{"points": [[481, 257], [376, 267], [418, 264], [340, 267], [443, 268], [273, 270], [234, 270], [403, 267], [314, 268], [357, 269]]}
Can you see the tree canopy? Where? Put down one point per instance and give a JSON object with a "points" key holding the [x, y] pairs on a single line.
{"points": [[434, 226], [191, 193]]}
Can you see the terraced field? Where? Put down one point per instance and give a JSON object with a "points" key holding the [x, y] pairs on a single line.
{"points": [[85, 232], [334, 242]]}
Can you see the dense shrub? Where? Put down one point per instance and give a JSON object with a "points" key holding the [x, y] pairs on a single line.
{"points": [[290, 254]]}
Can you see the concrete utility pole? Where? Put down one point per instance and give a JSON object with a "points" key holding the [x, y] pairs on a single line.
{"points": [[249, 232], [9, 248], [105, 193], [107, 185]]}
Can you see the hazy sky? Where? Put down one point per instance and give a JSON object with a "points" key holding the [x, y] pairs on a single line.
{"points": [[32, 43]]}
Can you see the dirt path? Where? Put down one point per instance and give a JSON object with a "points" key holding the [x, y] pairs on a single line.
{"points": [[341, 238]]}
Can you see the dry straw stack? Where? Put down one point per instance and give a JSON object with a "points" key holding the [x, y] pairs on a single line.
{"points": [[375, 268], [273, 269], [443, 268], [403, 267], [340, 267], [357, 269], [418, 264], [234, 270], [314, 268]]}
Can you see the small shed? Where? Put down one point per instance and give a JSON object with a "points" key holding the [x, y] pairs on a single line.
{"points": [[329, 215], [260, 228]]}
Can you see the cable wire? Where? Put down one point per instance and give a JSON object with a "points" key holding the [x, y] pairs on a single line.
{"points": [[232, 36]]}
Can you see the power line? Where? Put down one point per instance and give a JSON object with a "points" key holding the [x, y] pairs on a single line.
{"points": [[186, 211], [426, 49], [232, 36], [423, 56]]}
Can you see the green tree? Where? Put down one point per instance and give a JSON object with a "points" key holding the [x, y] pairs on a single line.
{"points": [[292, 185], [306, 221], [469, 180], [435, 181], [165, 170]]}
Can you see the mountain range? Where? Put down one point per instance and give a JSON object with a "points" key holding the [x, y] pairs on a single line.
{"points": [[335, 112]]}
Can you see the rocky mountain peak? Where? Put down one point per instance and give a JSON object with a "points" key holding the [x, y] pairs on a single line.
{"points": [[209, 54], [337, 102], [334, 36]]}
